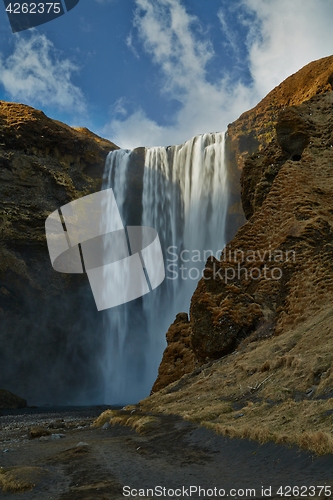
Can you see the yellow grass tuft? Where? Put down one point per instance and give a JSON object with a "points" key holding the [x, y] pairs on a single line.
{"points": [[140, 423], [20, 479], [319, 442], [104, 418]]}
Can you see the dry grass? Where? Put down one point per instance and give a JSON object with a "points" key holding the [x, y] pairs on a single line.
{"points": [[104, 418], [20, 479], [140, 423], [278, 389], [320, 443]]}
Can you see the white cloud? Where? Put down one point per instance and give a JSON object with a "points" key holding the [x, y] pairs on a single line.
{"points": [[166, 31], [291, 35], [136, 130], [284, 37], [229, 33], [130, 45], [119, 107], [172, 37], [34, 74]]}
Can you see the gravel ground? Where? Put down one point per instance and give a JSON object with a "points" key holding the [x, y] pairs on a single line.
{"points": [[77, 462]]}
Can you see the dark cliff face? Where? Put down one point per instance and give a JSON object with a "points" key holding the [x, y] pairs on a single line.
{"points": [[50, 332], [276, 272]]}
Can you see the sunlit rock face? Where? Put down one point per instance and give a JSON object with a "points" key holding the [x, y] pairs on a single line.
{"points": [[49, 341], [273, 272], [276, 271]]}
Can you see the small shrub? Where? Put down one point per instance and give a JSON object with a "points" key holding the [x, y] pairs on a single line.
{"points": [[265, 367]]}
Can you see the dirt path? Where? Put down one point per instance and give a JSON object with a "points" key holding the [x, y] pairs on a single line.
{"points": [[79, 462]]}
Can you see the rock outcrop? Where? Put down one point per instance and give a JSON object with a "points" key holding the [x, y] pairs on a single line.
{"points": [[178, 357], [8, 400], [277, 271], [49, 333], [255, 128]]}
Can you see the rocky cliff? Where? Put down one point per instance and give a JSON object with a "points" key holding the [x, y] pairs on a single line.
{"points": [[276, 272], [264, 309], [255, 128], [49, 335]]}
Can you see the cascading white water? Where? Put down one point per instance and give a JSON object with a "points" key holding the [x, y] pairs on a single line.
{"points": [[185, 198]]}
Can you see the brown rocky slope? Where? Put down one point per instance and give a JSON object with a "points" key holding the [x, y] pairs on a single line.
{"points": [[48, 337], [261, 317], [255, 128]]}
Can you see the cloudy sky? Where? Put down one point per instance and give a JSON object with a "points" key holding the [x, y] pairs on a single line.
{"points": [[157, 72]]}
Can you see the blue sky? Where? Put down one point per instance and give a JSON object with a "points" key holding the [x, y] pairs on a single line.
{"points": [[157, 72]]}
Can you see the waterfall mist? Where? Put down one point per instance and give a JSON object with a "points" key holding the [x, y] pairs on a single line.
{"points": [[182, 192]]}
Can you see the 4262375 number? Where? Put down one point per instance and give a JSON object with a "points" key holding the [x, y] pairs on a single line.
{"points": [[34, 8]]}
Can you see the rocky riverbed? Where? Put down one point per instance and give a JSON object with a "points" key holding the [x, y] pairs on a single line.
{"points": [[57, 454]]}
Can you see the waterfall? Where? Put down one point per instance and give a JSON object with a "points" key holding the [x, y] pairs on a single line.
{"points": [[181, 191]]}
